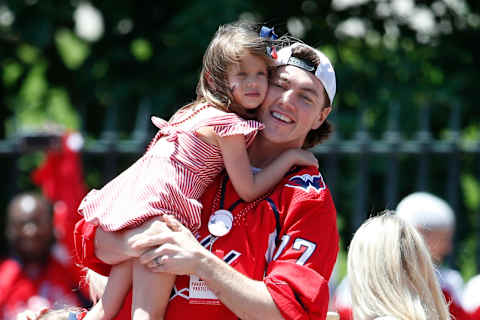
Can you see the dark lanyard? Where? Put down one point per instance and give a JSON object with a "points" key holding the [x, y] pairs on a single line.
{"points": [[222, 195]]}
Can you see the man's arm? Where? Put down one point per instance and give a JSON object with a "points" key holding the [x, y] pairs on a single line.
{"points": [[247, 298], [298, 272], [180, 253]]}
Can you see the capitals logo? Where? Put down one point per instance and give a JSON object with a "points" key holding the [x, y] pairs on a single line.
{"points": [[307, 182]]}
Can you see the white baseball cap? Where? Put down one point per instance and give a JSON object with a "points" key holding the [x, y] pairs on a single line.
{"points": [[324, 71], [425, 210]]}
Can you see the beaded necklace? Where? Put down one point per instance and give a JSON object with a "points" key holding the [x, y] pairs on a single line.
{"points": [[190, 116], [240, 217]]}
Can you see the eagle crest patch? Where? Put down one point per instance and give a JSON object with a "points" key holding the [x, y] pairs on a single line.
{"points": [[307, 182]]}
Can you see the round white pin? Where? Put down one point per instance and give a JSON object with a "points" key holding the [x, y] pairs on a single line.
{"points": [[220, 223]]}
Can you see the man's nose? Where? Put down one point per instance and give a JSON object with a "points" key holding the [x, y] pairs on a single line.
{"points": [[29, 229], [287, 99]]}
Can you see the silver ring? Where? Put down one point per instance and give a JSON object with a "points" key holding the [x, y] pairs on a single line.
{"points": [[157, 261]]}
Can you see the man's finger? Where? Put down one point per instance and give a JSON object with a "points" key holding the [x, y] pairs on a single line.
{"points": [[150, 241], [173, 223], [162, 251]]}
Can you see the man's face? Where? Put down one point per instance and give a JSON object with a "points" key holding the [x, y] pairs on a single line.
{"points": [[439, 242], [294, 105], [29, 228]]}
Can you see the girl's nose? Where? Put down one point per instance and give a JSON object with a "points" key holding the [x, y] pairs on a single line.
{"points": [[251, 82]]}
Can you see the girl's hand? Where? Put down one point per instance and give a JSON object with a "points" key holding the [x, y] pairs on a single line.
{"points": [[302, 157]]}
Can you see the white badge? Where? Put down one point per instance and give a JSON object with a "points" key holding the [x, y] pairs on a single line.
{"points": [[220, 223], [199, 292]]}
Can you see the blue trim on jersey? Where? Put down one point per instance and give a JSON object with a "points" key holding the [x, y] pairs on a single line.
{"points": [[277, 218]]}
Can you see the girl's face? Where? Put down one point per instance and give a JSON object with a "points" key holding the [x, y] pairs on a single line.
{"points": [[248, 81]]}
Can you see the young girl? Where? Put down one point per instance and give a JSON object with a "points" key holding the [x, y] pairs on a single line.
{"points": [[391, 273], [199, 141]]}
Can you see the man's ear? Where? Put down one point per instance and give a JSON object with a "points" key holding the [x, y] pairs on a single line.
{"points": [[322, 116]]}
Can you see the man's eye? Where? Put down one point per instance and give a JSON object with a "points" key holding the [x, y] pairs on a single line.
{"points": [[306, 98]]}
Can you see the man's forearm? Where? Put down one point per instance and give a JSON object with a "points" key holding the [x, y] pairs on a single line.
{"points": [[247, 298]]}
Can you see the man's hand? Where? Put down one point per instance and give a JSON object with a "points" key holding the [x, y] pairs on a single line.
{"points": [[147, 230], [174, 250]]}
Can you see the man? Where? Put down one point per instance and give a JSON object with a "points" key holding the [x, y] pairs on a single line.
{"points": [[435, 220], [279, 250], [33, 276]]}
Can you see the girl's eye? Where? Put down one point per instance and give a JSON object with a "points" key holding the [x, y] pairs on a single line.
{"points": [[241, 74]]}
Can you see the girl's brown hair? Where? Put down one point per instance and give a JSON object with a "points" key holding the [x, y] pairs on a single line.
{"points": [[230, 43]]}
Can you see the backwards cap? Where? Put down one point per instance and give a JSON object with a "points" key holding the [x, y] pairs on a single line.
{"points": [[425, 210], [324, 71]]}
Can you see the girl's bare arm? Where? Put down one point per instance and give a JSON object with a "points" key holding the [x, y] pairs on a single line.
{"points": [[250, 186]]}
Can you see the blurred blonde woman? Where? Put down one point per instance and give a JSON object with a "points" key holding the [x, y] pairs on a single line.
{"points": [[391, 273]]}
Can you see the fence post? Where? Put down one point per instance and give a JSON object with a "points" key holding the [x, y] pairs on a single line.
{"points": [[392, 138], [331, 168], [424, 139], [362, 140], [453, 185], [109, 137]]}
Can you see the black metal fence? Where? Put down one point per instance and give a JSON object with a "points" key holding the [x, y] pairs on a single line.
{"points": [[365, 174]]}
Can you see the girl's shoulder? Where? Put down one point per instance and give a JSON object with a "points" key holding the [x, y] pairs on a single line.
{"points": [[194, 110], [218, 116]]}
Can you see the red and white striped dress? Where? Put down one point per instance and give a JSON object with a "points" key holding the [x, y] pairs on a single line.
{"points": [[172, 174]]}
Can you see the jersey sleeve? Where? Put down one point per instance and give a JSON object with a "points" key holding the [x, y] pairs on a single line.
{"points": [[307, 248], [84, 239]]}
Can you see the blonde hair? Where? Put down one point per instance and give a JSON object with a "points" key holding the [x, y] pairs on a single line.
{"points": [[96, 284], [60, 314], [391, 272], [230, 43]]}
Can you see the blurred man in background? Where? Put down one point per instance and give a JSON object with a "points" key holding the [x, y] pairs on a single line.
{"points": [[435, 220], [36, 274]]}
